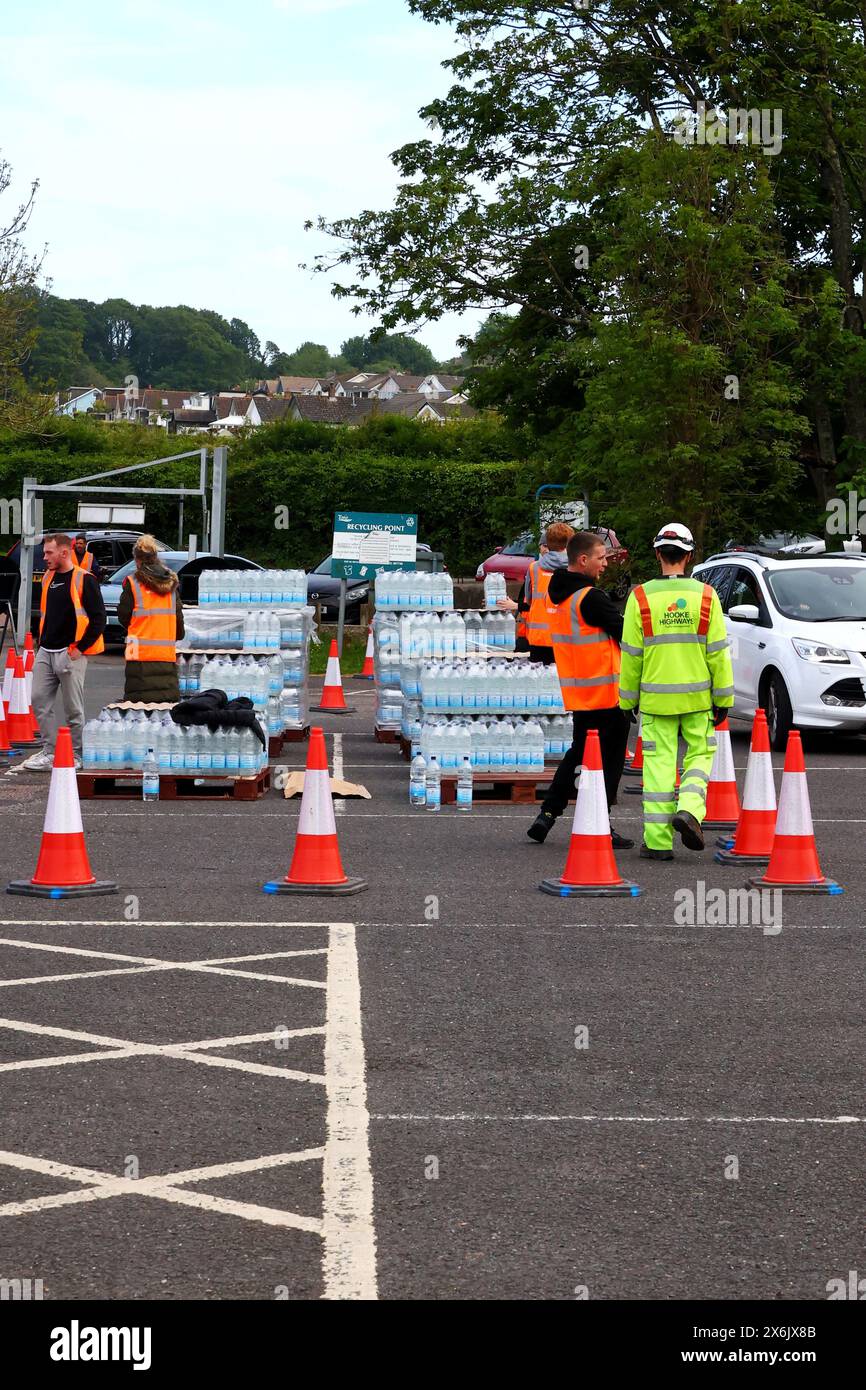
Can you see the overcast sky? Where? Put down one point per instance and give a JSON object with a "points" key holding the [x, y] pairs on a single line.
{"points": [[180, 147]]}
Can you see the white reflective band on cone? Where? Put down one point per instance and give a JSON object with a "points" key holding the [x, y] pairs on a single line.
{"points": [[723, 762], [317, 808], [63, 815], [590, 810], [19, 703], [759, 793], [795, 815], [332, 674]]}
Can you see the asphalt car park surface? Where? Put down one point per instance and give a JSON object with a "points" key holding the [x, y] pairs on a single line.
{"points": [[448, 1086]]}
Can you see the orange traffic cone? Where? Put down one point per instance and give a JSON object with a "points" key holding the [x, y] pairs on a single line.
{"points": [[20, 731], [29, 663], [367, 668], [794, 857], [756, 825], [723, 803], [590, 869], [635, 768], [316, 864], [8, 676], [6, 750], [63, 868], [333, 699]]}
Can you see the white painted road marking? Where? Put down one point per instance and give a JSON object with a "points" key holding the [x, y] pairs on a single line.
{"points": [[350, 1241], [630, 1119]]}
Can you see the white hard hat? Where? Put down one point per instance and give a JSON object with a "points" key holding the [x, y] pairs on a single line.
{"points": [[677, 536]]}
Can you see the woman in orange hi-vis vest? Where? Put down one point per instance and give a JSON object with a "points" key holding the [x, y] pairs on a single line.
{"points": [[149, 608], [533, 634]]}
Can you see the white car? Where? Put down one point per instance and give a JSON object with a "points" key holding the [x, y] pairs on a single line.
{"points": [[797, 626]]}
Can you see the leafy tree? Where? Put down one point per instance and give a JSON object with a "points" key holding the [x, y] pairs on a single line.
{"points": [[398, 350], [242, 336], [310, 359], [19, 274], [179, 348], [537, 89]]}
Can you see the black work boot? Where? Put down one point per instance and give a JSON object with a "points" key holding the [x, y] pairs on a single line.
{"points": [[620, 841], [690, 831], [541, 826], [647, 853]]}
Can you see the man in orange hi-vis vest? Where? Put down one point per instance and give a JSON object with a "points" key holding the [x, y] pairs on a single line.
{"points": [[70, 630], [85, 558], [585, 629]]}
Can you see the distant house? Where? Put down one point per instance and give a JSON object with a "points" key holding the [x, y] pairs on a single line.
{"points": [[190, 420], [288, 385], [231, 411], [418, 405], [264, 410], [76, 399], [329, 410]]}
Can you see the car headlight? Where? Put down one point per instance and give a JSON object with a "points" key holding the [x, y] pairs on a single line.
{"points": [[819, 653], [360, 593]]}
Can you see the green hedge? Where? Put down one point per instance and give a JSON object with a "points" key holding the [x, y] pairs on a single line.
{"points": [[472, 482]]}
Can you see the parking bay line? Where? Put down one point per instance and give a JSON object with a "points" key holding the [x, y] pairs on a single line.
{"points": [[470, 1118]]}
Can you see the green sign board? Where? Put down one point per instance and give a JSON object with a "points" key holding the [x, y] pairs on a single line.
{"points": [[365, 542]]}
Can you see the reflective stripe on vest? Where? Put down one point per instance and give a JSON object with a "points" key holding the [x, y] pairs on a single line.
{"points": [[152, 631], [538, 615], [587, 659], [76, 585]]}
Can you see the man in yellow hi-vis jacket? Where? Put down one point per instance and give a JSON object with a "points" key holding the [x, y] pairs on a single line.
{"points": [[676, 665]]}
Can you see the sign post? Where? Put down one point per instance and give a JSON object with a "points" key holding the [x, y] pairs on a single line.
{"points": [[365, 543]]}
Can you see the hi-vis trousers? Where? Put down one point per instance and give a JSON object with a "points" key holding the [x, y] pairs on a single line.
{"points": [[661, 734]]}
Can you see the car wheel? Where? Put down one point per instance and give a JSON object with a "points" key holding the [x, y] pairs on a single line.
{"points": [[622, 587], [780, 716]]}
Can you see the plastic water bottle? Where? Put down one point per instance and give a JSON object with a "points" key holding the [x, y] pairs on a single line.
{"points": [[205, 755], [218, 751], [190, 749], [464, 786], [433, 784], [140, 739], [150, 777], [418, 782], [233, 751], [248, 749]]}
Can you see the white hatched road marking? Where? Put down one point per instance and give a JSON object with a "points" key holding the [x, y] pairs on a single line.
{"points": [[346, 1227], [144, 964]]}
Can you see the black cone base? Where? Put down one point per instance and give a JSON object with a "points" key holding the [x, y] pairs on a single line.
{"points": [[23, 888], [351, 885]]}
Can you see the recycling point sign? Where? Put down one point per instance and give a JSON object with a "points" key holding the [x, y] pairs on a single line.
{"points": [[365, 542]]}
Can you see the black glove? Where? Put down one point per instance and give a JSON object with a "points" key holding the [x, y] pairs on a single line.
{"points": [[632, 715], [718, 715]]}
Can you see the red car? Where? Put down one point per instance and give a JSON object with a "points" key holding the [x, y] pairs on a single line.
{"points": [[514, 560]]}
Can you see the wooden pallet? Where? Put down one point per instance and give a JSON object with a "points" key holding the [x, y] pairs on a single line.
{"points": [[173, 786], [277, 742], [386, 735], [500, 788]]}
